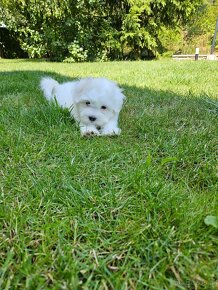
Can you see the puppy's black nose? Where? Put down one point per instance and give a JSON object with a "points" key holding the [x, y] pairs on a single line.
{"points": [[92, 119]]}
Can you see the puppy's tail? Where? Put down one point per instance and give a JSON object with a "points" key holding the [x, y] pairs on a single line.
{"points": [[48, 86]]}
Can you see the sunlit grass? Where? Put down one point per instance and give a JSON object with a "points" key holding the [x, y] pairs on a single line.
{"points": [[109, 213]]}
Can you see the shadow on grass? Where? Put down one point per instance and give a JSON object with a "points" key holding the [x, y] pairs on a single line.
{"points": [[28, 82], [160, 121], [144, 106]]}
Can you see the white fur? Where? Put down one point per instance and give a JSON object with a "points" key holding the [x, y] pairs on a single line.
{"points": [[86, 99]]}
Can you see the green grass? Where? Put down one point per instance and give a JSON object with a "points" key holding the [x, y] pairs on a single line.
{"points": [[110, 213]]}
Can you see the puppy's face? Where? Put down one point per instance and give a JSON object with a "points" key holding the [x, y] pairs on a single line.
{"points": [[98, 101], [93, 112]]}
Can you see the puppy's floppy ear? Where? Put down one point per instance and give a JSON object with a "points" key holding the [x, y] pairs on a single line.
{"points": [[118, 102]]}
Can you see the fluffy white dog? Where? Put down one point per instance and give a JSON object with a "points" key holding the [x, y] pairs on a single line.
{"points": [[95, 103]]}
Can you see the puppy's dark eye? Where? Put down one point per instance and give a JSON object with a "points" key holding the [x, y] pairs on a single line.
{"points": [[87, 103], [103, 107]]}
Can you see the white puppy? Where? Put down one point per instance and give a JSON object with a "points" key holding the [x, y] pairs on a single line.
{"points": [[94, 102]]}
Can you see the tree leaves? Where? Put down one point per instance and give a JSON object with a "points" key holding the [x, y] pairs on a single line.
{"points": [[117, 29]]}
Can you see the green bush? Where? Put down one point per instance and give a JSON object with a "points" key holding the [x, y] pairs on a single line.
{"points": [[76, 53], [103, 29]]}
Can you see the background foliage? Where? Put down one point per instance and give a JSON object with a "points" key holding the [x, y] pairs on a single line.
{"points": [[197, 32], [99, 30]]}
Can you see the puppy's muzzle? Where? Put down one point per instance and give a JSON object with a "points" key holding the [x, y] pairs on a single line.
{"points": [[92, 119]]}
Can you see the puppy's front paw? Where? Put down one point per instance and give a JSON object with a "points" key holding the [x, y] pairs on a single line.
{"points": [[89, 131], [111, 131], [90, 134]]}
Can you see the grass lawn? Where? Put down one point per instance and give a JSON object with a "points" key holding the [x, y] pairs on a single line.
{"points": [[117, 213]]}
